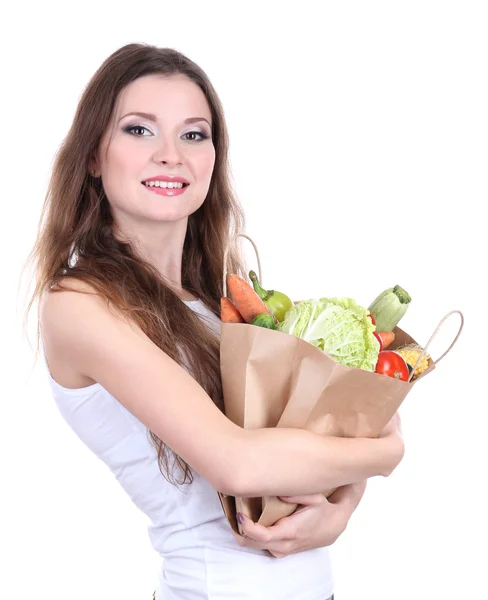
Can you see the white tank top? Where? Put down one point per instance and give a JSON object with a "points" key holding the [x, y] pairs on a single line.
{"points": [[201, 559]]}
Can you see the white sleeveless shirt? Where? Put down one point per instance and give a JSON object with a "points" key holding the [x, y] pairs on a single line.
{"points": [[201, 558]]}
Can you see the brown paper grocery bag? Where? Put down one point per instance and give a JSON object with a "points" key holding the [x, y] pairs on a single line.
{"points": [[273, 379]]}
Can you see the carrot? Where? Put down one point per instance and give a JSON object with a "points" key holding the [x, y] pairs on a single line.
{"points": [[387, 337], [228, 312], [247, 302]]}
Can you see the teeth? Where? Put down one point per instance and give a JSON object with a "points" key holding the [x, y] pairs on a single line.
{"points": [[164, 184]]}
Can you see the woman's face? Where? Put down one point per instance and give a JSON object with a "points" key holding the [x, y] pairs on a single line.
{"points": [[170, 141]]}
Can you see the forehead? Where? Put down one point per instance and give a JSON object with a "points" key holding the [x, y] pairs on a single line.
{"points": [[175, 96]]}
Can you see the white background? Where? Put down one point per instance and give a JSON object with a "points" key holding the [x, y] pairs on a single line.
{"points": [[359, 137]]}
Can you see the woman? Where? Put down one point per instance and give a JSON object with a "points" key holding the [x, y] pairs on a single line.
{"points": [[129, 278]]}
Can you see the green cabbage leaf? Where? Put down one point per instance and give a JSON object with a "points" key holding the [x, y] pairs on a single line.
{"points": [[337, 326]]}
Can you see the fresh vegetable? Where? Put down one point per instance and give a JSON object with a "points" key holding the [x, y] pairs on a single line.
{"points": [[245, 299], [264, 320], [411, 354], [228, 312], [337, 326], [378, 337], [372, 318], [389, 307], [387, 338], [392, 364], [277, 302]]}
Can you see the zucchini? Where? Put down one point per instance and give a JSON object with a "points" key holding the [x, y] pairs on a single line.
{"points": [[389, 307]]}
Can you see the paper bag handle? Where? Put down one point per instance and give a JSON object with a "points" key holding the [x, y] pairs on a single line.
{"points": [[433, 336], [226, 254]]}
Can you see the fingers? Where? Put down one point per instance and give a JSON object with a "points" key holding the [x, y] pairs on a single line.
{"points": [[394, 425], [278, 554], [246, 539], [280, 540], [285, 529], [239, 539], [306, 500], [254, 531]]}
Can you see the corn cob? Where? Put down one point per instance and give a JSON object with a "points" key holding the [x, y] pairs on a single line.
{"points": [[411, 354]]}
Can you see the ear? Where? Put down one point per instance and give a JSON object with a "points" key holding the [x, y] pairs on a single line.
{"points": [[93, 167]]}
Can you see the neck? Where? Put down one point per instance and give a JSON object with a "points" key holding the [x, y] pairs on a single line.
{"points": [[161, 245]]}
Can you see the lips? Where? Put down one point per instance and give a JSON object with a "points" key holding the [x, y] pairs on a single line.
{"points": [[168, 178], [164, 191]]}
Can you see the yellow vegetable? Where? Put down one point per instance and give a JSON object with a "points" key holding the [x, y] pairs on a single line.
{"points": [[411, 354]]}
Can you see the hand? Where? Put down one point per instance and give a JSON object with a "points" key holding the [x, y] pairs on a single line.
{"points": [[393, 427], [392, 437], [317, 522]]}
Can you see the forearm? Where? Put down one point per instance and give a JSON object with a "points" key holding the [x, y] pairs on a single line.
{"points": [[347, 500], [286, 462], [349, 496]]}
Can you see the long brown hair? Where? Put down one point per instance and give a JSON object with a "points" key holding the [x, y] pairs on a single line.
{"points": [[76, 234]]}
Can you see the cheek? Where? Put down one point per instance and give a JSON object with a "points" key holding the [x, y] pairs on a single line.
{"points": [[121, 164], [207, 164], [125, 157]]}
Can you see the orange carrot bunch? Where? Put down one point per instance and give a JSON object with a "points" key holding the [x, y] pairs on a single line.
{"points": [[387, 337], [228, 312], [245, 303]]}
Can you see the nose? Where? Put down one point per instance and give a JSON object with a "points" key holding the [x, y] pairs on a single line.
{"points": [[168, 152]]}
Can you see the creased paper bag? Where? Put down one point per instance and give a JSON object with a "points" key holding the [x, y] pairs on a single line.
{"points": [[273, 379]]}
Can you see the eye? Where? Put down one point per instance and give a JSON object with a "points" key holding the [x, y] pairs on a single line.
{"points": [[133, 129], [202, 136]]}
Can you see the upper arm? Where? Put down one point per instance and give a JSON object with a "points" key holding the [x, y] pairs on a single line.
{"points": [[143, 378]]}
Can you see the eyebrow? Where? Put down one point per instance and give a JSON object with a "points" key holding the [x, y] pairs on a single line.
{"points": [[153, 118]]}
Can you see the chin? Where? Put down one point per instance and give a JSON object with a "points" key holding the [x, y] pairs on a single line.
{"points": [[173, 214]]}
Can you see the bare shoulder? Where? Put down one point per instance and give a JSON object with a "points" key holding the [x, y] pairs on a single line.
{"points": [[67, 309], [64, 299], [89, 340], [63, 308], [63, 313]]}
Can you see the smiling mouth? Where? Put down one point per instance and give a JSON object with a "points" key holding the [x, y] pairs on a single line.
{"points": [[176, 189], [165, 185]]}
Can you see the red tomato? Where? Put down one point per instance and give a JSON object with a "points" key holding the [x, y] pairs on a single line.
{"points": [[378, 337], [392, 364]]}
